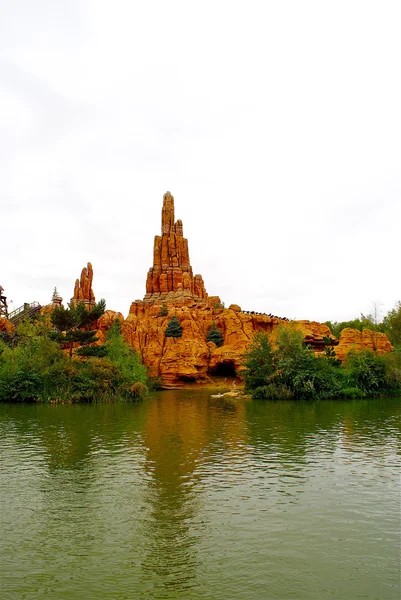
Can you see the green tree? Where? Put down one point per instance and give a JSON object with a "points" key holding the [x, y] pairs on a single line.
{"points": [[367, 371], [329, 352], [173, 328], [392, 325], [306, 375], [73, 324], [214, 335], [259, 363], [163, 311], [133, 374]]}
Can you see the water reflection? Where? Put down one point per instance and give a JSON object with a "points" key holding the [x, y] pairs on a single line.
{"points": [[182, 432], [156, 492]]}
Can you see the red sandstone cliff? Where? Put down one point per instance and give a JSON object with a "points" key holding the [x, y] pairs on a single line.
{"points": [[190, 358], [171, 270], [6, 325], [170, 280], [83, 287], [177, 361], [355, 340]]}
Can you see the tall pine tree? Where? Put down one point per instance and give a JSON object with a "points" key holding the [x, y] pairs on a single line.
{"points": [[73, 324], [214, 335], [173, 328]]}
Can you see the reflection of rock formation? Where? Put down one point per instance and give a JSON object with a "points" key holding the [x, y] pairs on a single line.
{"points": [[83, 287], [181, 436], [171, 272]]}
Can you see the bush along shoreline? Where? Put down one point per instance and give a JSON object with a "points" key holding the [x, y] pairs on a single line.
{"points": [[288, 369], [37, 363]]}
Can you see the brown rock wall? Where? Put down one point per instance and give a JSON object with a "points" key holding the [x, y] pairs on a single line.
{"points": [[83, 287], [171, 270], [177, 361], [6, 325], [170, 280], [355, 340]]}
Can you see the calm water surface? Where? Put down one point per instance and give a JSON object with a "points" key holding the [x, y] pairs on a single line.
{"points": [[185, 496]]}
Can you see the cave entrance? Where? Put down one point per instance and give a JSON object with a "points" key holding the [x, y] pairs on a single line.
{"points": [[224, 370]]}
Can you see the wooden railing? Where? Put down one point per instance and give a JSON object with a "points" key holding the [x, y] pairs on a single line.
{"points": [[26, 310]]}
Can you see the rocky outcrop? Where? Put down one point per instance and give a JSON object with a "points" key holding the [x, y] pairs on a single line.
{"points": [[83, 287], [171, 271], [178, 361], [6, 325], [355, 340], [314, 332]]}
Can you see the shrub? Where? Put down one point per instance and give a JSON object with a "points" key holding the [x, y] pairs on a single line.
{"points": [[214, 335], [72, 324], [163, 311], [351, 393], [96, 351], [173, 328], [330, 353], [367, 372], [20, 385], [300, 371], [35, 368], [259, 363], [273, 391], [124, 358]]}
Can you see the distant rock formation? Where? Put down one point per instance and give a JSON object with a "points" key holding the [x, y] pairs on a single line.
{"points": [[171, 276], [358, 341], [190, 358], [83, 287]]}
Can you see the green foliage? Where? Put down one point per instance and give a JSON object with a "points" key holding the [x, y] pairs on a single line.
{"points": [[19, 385], [163, 311], [330, 353], [259, 363], [392, 325], [173, 328], [124, 358], [35, 368], [72, 324], [299, 370], [352, 393], [97, 351], [214, 335], [291, 370], [367, 372], [360, 323], [273, 391]]}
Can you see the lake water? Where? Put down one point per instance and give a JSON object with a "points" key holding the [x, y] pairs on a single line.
{"points": [[183, 496]]}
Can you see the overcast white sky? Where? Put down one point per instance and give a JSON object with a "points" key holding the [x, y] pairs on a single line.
{"points": [[275, 124]]}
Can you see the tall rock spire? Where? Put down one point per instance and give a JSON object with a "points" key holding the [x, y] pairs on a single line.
{"points": [[171, 271], [83, 287]]}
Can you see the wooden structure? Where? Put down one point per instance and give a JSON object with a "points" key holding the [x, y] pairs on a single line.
{"points": [[3, 304], [26, 310]]}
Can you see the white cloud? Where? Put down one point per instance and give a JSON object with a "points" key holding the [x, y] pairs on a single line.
{"points": [[276, 126]]}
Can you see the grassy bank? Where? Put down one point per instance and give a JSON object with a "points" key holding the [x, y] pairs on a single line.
{"points": [[35, 366], [290, 370]]}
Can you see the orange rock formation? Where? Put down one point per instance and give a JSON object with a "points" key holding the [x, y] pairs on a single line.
{"points": [[178, 361], [83, 287], [353, 339], [171, 276], [6, 325]]}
